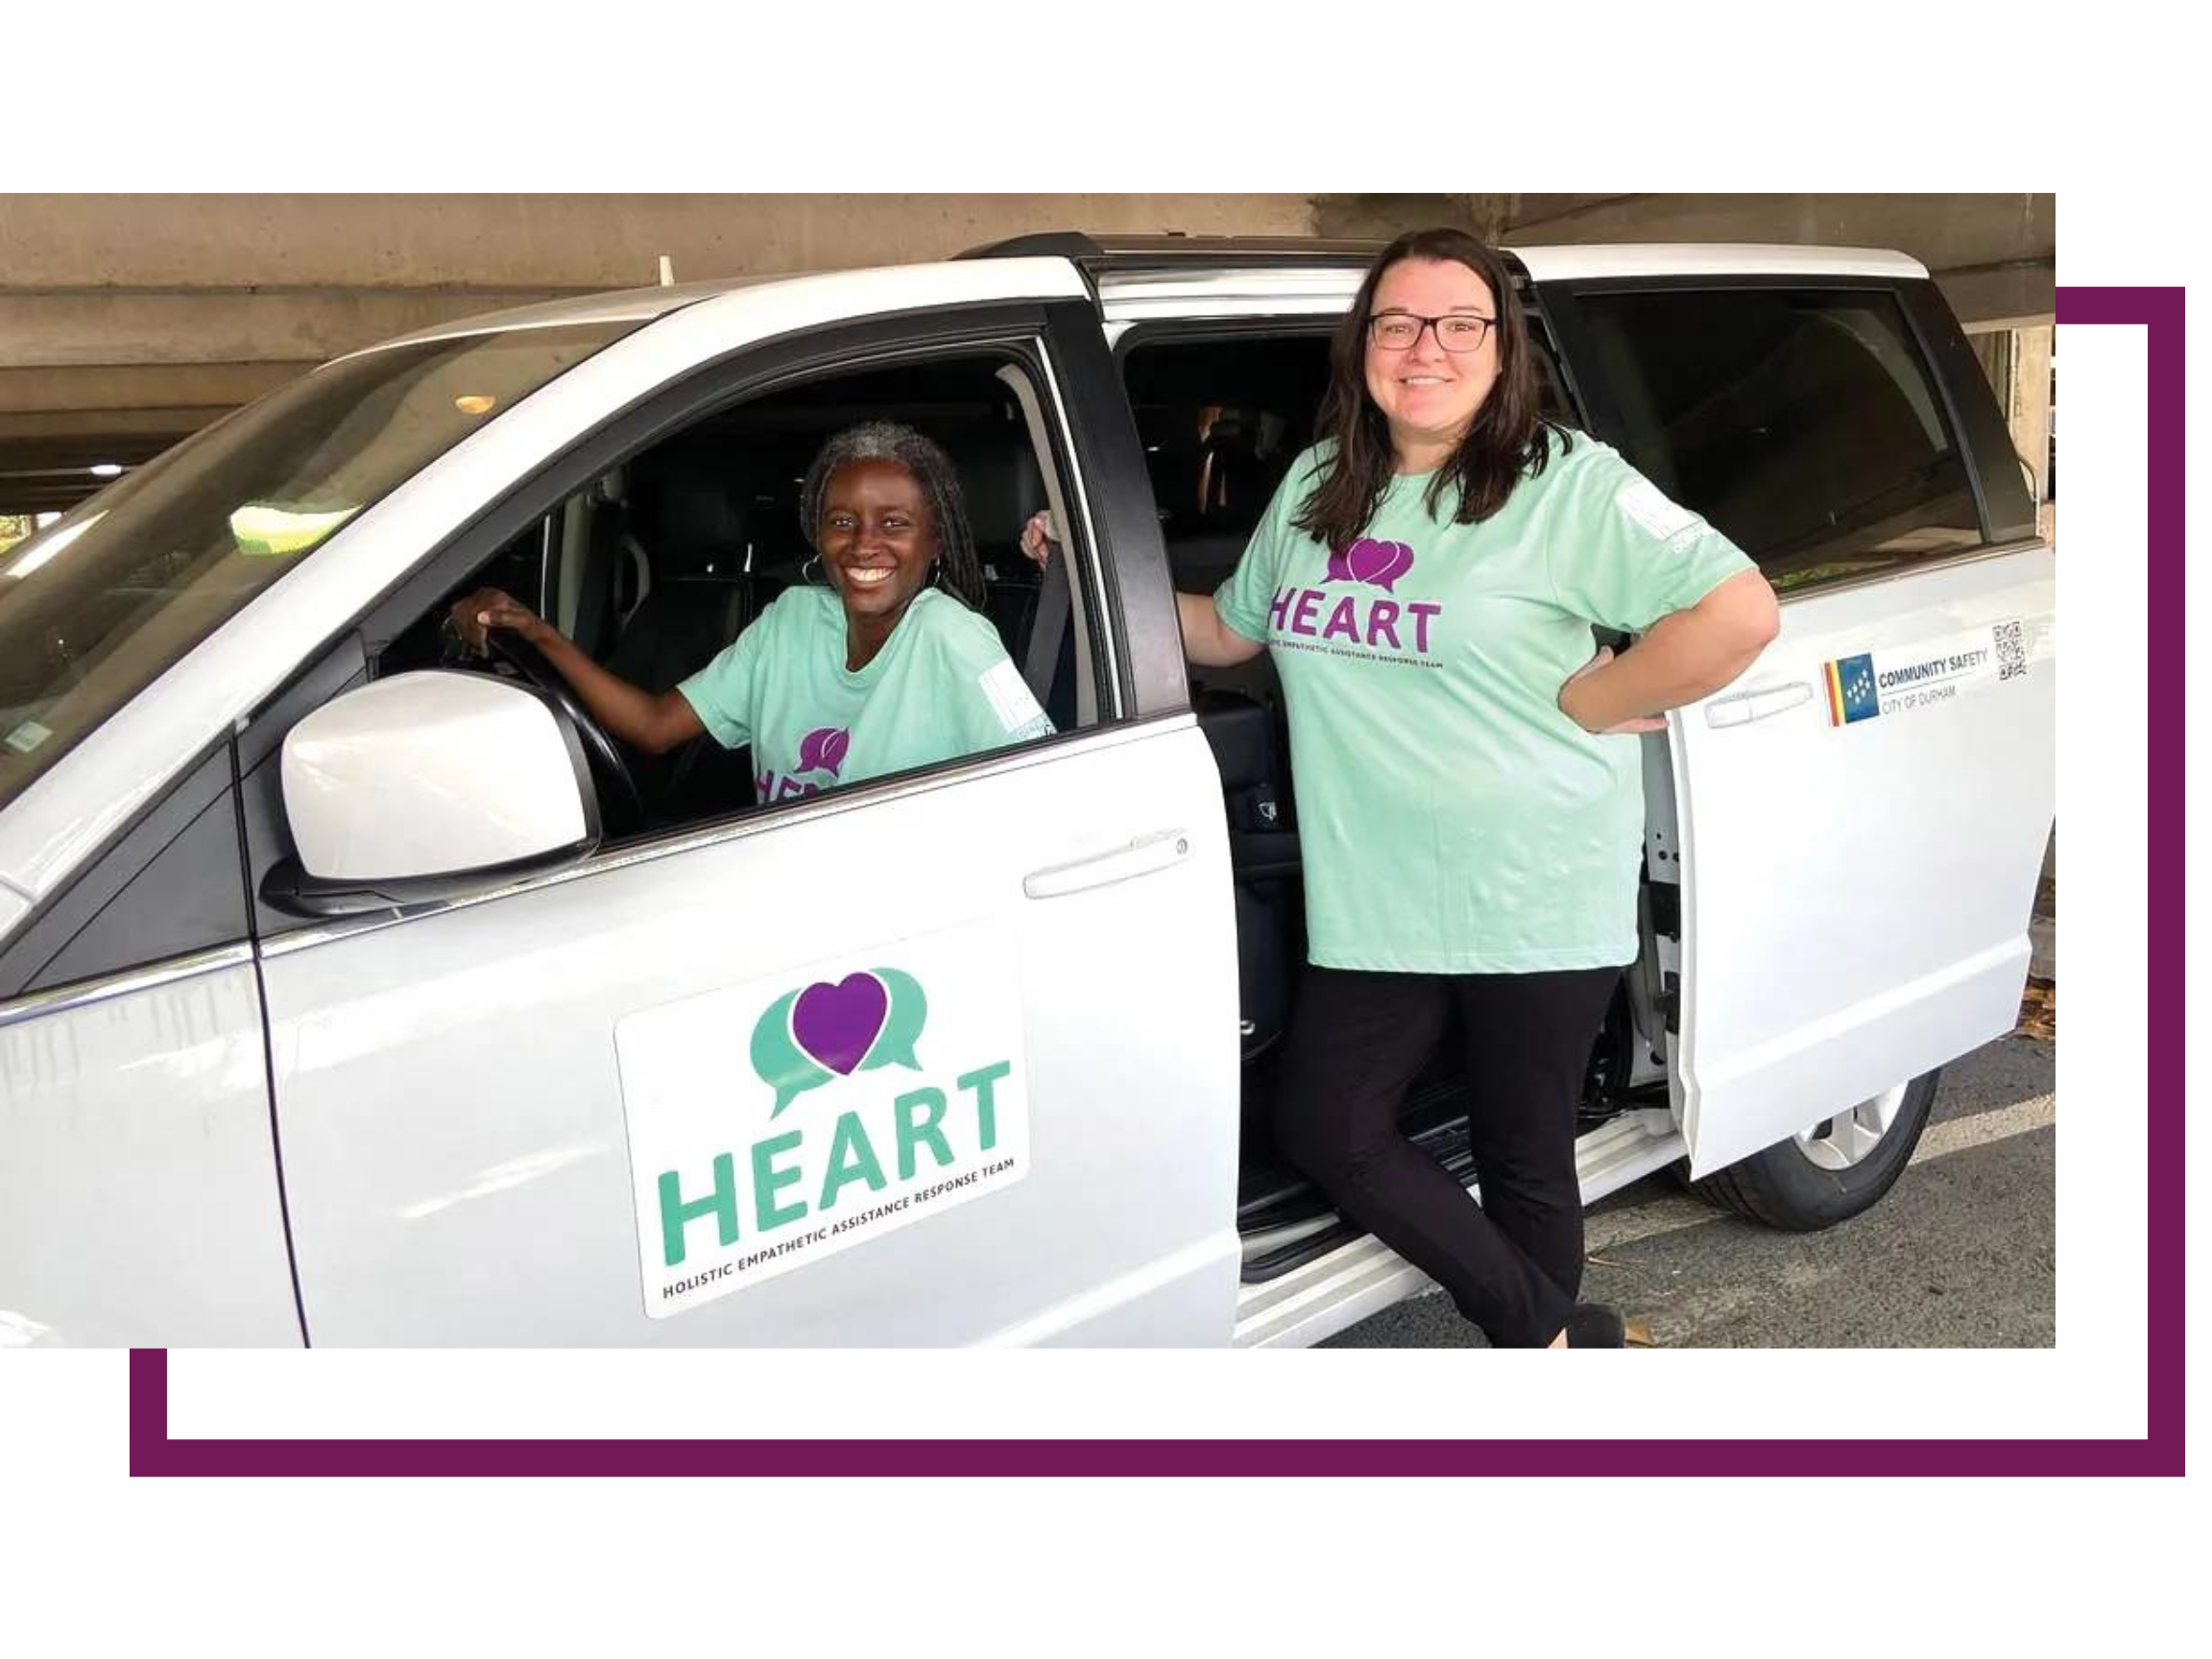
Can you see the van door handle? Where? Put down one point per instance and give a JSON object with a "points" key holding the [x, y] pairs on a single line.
{"points": [[1745, 707], [1143, 857]]}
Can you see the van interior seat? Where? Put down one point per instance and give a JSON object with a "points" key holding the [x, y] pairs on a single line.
{"points": [[617, 572], [688, 515], [691, 522], [1262, 857], [1233, 482], [1203, 561], [1200, 564], [1003, 488]]}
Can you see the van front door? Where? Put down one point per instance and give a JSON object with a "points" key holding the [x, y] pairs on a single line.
{"points": [[946, 1059]]}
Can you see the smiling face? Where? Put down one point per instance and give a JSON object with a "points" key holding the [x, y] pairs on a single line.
{"points": [[1430, 395], [878, 541]]}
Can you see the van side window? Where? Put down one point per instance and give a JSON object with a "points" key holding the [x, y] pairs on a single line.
{"points": [[1805, 425], [669, 556]]}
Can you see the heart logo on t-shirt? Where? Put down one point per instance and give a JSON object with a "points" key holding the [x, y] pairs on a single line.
{"points": [[1371, 563], [823, 750]]}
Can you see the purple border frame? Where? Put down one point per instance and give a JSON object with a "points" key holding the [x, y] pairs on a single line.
{"points": [[2163, 1453]]}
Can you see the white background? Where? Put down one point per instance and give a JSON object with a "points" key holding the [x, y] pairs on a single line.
{"points": [[1751, 98]]}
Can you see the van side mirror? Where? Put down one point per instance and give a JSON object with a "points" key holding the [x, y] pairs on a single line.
{"points": [[426, 786]]}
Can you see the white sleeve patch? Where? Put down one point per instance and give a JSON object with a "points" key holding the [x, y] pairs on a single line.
{"points": [[1011, 698], [1644, 502], [28, 736]]}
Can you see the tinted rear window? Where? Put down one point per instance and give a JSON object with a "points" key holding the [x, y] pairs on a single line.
{"points": [[1805, 425]]}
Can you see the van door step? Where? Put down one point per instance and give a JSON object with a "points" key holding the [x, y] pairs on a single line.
{"points": [[1282, 1239], [1268, 1193], [1636, 1139], [1285, 1222]]}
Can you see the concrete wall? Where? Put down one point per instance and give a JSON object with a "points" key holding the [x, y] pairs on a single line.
{"points": [[121, 280], [128, 322]]}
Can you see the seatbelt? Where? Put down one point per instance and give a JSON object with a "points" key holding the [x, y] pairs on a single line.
{"points": [[643, 565], [1047, 627]]}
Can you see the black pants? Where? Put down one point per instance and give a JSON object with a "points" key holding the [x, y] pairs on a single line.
{"points": [[1514, 1265]]}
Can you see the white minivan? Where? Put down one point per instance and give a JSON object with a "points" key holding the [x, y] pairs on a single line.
{"points": [[354, 991]]}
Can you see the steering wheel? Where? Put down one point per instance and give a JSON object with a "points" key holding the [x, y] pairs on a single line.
{"points": [[621, 807]]}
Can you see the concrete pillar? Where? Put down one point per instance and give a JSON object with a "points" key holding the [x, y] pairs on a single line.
{"points": [[1992, 348], [2018, 364], [2029, 410]]}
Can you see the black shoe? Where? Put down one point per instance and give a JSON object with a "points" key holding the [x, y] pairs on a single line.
{"points": [[1594, 1325]]}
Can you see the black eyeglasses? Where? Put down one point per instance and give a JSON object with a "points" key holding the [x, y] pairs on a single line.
{"points": [[1456, 332]]}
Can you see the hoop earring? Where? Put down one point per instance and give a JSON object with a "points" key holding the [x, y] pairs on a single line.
{"points": [[806, 571]]}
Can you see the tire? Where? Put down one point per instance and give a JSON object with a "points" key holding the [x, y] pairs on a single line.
{"points": [[1839, 1169]]}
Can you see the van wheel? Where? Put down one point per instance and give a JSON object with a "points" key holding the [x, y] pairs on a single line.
{"points": [[1834, 1170]]}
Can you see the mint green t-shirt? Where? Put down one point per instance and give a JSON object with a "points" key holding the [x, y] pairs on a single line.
{"points": [[941, 687], [1451, 820]]}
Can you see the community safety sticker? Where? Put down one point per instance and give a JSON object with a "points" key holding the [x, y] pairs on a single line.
{"points": [[1923, 674]]}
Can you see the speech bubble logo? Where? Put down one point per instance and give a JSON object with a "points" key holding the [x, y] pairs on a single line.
{"points": [[1375, 563], [860, 1022], [823, 749], [780, 1061], [903, 1022]]}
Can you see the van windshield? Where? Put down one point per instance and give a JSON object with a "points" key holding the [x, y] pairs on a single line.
{"points": [[103, 600]]}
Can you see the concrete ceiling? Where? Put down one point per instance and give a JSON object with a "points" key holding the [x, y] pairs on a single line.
{"points": [[128, 323], [1993, 255]]}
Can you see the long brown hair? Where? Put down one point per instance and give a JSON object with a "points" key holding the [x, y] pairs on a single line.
{"points": [[1504, 443]]}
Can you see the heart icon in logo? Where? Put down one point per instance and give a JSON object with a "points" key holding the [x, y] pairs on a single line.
{"points": [[1375, 563], [823, 749], [836, 1025]]}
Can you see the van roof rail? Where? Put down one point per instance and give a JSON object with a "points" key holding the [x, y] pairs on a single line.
{"points": [[1122, 253], [1116, 255]]}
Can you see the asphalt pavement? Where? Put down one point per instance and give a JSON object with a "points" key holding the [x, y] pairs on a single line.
{"points": [[1960, 1254]]}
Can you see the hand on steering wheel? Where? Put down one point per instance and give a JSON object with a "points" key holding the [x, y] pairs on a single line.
{"points": [[491, 623], [477, 615]]}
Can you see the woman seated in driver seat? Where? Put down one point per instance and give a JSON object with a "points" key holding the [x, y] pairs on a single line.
{"points": [[891, 665]]}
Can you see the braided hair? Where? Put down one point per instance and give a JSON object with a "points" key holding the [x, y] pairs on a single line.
{"points": [[958, 570]]}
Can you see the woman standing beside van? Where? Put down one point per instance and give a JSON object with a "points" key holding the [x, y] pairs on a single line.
{"points": [[1469, 783]]}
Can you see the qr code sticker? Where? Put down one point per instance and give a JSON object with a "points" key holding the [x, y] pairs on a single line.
{"points": [[2012, 655]]}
